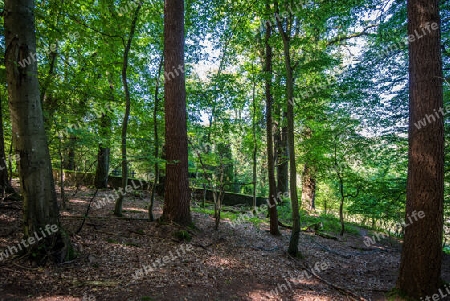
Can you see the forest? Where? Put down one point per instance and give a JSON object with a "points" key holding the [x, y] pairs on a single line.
{"points": [[225, 150]]}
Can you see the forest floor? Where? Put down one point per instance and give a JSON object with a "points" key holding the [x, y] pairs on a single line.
{"points": [[241, 262]]}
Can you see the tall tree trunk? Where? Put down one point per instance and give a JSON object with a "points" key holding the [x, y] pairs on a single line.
{"points": [[40, 208], [421, 259], [102, 171], [119, 201], [308, 188], [69, 162], [341, 203], [104, 150], [61, 175], [269, 127], [255, 144], [293, 244], [282, 155], [103, 155], [177, 196], [156, 140]]}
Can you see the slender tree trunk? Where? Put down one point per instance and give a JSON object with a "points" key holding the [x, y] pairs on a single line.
{"points": [[218, 195], [119, 201], [10, 171], [295, 236], [255, 145], [177, 196], [103, 155], [102, 171], [308, 188], [40, 208], [156, 140], [340, 177], [69, 162], [104, 150], [283, 157], [269, 127], [341, 204], [420, 267], [61, 174]]}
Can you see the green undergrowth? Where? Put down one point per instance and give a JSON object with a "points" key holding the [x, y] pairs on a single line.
{"points": [[447, 249], [330, 223]]}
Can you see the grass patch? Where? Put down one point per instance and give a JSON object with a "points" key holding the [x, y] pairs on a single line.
{"points": [[246, 214], [330, 222], [210, 211]]}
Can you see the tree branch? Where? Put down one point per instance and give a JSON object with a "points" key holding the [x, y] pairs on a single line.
{"points": [[355, 35]]}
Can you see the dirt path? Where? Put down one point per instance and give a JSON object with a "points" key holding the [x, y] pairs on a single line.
{"points": [[234, 263]]}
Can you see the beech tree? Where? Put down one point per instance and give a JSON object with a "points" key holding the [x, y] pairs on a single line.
{"points": [[269, 125], [421, 259], [40, 208], [119, 201], [286, 37]]}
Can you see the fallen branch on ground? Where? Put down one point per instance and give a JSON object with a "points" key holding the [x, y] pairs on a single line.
{"points": [[284, 226], [325, 235]]}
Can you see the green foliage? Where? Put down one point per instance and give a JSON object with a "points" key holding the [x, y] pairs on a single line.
{"points": [[350, 102], [446, 250], [395, 294], [183, 235], [210, 211]]}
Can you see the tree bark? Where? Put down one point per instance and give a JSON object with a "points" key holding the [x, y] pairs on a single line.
{"points": [[282, 157], [421, 259], [119, 201], [104, 150], [69, 162], [40, 208], [103, 155], [177, 196], [293, 244], [255, 145], [101, 174], [308, 188], [269, 127], [156, 140]]}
